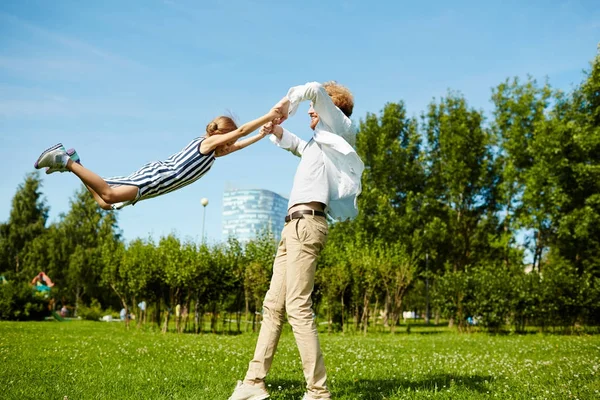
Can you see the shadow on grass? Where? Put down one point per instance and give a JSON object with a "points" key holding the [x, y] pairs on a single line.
{"points": [[378, 389]]}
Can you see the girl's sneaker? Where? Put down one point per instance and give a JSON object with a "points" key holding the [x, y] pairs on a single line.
{"points": [[72, 153], [55, 157]]}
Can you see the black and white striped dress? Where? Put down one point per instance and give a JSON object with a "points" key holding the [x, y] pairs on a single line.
{"points": [[161, 177]]}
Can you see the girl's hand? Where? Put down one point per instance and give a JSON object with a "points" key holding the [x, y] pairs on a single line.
{"points": [[266, 129]]}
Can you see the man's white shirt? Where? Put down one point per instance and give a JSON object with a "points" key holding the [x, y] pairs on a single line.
{"points": [[330, 170]]}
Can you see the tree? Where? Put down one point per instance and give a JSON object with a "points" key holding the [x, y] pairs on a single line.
{"points": [[259, 257], [86, 228], [26, 222], [461, 180], [389, 145], [115, 274], [334, 275], [397, 268], [171, 260], [519, 111]]}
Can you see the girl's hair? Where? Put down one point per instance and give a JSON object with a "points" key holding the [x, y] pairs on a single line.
{"points": [[220, 125]]}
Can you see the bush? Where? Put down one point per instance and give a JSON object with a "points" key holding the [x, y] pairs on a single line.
{"points": [[492, 291], [91, 313], [20, 302]]}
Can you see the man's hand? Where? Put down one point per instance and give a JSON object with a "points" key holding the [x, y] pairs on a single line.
{"points": [[283, 108], [271, 128]]}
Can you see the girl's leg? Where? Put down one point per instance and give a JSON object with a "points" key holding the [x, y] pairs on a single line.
{"points": [[103, 205], [100, 189]]}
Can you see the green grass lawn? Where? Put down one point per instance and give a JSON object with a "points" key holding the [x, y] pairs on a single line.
{"points": [[96, 360]]}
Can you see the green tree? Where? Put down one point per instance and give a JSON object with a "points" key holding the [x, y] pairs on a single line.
{"points": [[27, 221], [334, 276], [520, 109], [397, 268], [389, 145], [86, 228], [259, 257], [461, 179]]}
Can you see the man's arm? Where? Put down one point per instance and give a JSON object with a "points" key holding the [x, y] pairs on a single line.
{"points": [[328, 112], [285, 139]]}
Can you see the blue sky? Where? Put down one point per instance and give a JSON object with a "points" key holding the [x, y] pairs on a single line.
{"points": [[130, 82]]}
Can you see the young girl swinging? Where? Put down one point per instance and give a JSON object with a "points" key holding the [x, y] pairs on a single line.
{"points": [[159, 177]]}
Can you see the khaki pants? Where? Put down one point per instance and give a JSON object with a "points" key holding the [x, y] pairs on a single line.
{"points": [[291, 287]]}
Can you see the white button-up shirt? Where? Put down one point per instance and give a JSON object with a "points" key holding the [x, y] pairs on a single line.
{"points": [[330, 170]]}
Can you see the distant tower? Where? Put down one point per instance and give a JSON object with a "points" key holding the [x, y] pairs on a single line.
{"points": [[247, 212]]}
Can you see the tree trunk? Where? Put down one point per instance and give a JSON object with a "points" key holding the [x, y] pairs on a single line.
{"points": [[386, 310], [196, 315], [166, 321], [397, 306], [365, 317], [247, 312], [375, 313], [78, 298], [123, 302], [506, 231], [135, 305], [343, 325], [187, 311], [213, 319], [157, 313], [329, 320]]}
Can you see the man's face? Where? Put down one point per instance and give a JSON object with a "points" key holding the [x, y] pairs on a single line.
{"points": [[314, 117]]}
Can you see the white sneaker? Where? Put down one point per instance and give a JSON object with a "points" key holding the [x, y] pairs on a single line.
{"points": [[72, 153], [243, 391], [55, 157]]}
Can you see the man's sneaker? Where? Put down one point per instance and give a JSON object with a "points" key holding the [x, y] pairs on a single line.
{"points": [[54, 157], [308, 397], [243, 391], [72, 153]]}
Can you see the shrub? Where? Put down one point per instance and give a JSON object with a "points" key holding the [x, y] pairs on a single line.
{"points": [[91, 313], [20, 302]]}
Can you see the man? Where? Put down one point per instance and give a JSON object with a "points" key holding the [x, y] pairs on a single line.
{"points": [[327, 181]]}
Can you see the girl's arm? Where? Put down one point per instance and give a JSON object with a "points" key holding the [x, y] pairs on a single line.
{"points": [[240, 144], [211, 142]]}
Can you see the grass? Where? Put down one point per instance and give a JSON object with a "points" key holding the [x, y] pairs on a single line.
{"points": [[95, 360]]}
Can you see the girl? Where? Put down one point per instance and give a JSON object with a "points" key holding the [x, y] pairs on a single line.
{"points": [[160, 177]]}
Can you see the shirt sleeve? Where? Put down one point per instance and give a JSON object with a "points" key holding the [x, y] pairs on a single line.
{"points": [[290, 142], [328, 112]]}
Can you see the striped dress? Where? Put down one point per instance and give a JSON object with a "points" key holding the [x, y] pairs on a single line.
{"points": [[161, 177]]}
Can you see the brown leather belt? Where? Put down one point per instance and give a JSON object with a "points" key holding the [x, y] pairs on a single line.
{"points": [[302, 213]]}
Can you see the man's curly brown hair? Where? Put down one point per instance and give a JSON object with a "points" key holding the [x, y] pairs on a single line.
{"points": [[341, 96]]}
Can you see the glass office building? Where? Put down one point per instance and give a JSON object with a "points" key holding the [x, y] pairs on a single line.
{"points": [[247, 212]]}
